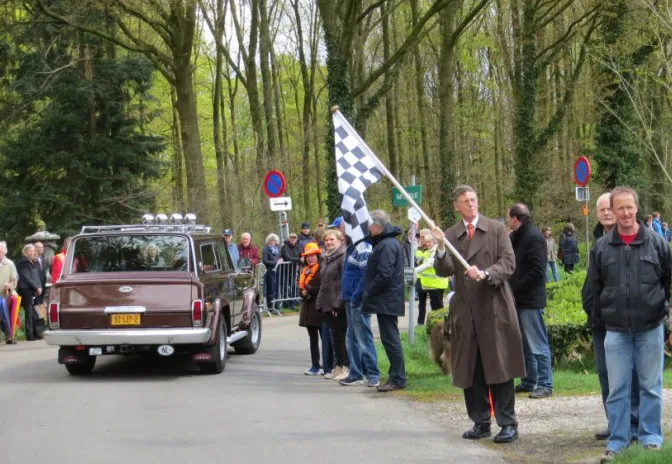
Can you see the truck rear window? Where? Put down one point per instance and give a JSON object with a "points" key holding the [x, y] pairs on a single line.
{"points": [[130, 253]]}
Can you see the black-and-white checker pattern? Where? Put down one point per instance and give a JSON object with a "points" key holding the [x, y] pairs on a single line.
{"points": [[357, 169]]}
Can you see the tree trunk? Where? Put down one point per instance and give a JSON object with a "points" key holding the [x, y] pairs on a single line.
{"points": [[220, 153], [526, 161], [267, 82], [87, 65], [422, 103], [389, 99], [446, 135], [191, 140], [178, 164], [339, 86]]}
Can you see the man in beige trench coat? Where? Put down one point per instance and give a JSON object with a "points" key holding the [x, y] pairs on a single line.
{"points": [[487, 348]]}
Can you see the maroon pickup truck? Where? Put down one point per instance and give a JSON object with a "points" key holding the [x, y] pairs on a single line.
{"points": [[152, 288]]}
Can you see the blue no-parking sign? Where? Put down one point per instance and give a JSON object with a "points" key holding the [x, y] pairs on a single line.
{"points": [[274, 184]]}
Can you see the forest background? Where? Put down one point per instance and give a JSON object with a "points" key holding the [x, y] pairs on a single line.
{"points": [[113, 108]]}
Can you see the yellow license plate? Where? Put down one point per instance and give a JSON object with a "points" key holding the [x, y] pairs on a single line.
{"points": [[125, 319]]}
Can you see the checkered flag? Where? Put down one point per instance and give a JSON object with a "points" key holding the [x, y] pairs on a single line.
{"points": [[357, 168]]}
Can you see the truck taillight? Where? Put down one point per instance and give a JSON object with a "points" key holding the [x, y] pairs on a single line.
{"points": [[197, 312], [54, 310]]}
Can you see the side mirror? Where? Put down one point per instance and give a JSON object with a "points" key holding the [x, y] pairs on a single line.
{"points": [[244, 264]]}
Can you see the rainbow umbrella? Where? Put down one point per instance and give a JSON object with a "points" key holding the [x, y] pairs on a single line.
{"points": [[15, 304], [4, 313]]}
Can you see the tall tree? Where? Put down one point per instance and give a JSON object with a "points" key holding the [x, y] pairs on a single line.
{"points": [[173, 24]]}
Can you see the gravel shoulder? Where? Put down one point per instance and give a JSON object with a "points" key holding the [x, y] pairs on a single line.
{"points": [[552, 431]]}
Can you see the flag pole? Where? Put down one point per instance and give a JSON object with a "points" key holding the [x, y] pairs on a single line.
{"points": [[403, 191]]}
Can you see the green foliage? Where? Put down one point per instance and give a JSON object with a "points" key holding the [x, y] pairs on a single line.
{"points": [[83, 158], [434, 317], [566, 322]]}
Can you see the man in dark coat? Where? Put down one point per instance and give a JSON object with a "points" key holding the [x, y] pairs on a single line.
{"points": [[291, 250], [384, 293], [248, 251], [42, 266], [29, 288], [607, 221], [528, 284], [487, 349], [630, 274]]}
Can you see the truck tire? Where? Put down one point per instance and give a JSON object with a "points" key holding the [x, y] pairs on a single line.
{"points": [[250, 344], [219, 353], [82, 369]]}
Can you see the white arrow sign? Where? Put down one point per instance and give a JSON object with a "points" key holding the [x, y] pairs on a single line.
{"points": [[281, 203]]}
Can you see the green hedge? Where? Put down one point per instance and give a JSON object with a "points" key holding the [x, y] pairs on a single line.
{"points": [[566, 322]]}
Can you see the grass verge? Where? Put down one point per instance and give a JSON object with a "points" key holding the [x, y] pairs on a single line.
{"points": [[426, 382]]}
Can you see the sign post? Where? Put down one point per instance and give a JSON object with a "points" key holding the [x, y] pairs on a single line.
{"points": [[275, 185], [581, 178], [413, 217]]}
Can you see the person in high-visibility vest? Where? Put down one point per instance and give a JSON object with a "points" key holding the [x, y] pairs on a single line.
{"points": [[432, 285]]}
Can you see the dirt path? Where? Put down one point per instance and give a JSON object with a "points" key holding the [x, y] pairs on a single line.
{"points": [[552, 431]]}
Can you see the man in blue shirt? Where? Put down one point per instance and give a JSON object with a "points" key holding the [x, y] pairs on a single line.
{"points": [[232, 247]]}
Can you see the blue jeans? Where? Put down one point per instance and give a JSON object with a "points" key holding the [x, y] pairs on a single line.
{"points": [[536, 349], [327, 348], [553, 268], [389, 336], [601, 365], [359, 342], [643, 351]]}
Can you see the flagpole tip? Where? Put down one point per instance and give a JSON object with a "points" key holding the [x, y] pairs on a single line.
{"points": [[335, 108]]}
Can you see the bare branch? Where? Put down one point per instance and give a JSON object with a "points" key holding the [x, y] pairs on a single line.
{"points": [[371, 8], [161, 28], [540, 22], [409, 43], [568, 32]]}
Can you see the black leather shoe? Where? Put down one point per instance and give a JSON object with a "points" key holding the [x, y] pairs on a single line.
{"points": [[507, 434], [540, 393], [388, 387], [521, 389], [602, 435], [477, 431]]}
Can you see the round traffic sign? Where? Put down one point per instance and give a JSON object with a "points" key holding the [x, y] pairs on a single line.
{"points": [[582, 171], [274, 184], [413, 215]]}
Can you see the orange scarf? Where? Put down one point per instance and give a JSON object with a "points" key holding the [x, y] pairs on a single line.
{"points": [[307, 275]]}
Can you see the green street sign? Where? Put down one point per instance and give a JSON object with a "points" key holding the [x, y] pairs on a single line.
{"points": [[415, 192]]}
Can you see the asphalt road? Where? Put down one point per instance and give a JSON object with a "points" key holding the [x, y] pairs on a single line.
{"points": [[261, 409]]}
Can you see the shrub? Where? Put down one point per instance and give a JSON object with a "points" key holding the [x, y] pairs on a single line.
{"points": [[434, 317], [566, 321]]}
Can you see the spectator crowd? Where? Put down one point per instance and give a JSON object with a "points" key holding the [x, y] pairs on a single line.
{"points": [[495, 325]]}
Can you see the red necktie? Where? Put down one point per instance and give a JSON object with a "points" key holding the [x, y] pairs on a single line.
{"points": [[470, 230]]}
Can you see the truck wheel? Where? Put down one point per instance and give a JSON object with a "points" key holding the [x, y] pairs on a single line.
{"points": [[82, 369], [219, 354], [250, 344]]}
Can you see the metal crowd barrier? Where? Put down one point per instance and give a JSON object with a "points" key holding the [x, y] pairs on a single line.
{"points": [[259, 274], [287, 284]]}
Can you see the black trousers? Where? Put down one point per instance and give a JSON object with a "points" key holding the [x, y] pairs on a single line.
{"points": [[30, 316], [314, 335], [478, 402], [339, 326], [389, 336], [435, 302], [569, 268]]}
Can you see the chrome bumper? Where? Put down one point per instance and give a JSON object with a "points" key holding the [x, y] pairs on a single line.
{"points": [[127, 336]]}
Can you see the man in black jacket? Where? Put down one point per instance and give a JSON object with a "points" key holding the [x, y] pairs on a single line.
{"points": [[384, 293], [606, 223], [528, 284], [630, 274]]}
